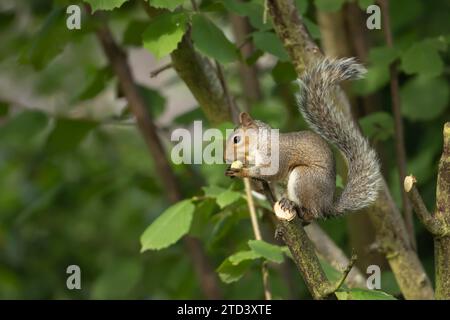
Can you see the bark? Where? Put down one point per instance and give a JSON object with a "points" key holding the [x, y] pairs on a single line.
{"points": [[438, 224], [390, 228]]}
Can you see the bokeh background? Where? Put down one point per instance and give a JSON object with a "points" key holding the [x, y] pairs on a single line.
{"points": [[79, 186]]}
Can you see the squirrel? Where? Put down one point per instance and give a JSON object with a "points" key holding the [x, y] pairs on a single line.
{"points": [[306, 163]]}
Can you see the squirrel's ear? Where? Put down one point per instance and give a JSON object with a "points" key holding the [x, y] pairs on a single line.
{"points": [[245, 119]]}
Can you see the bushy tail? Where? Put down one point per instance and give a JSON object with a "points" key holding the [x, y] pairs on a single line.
{"points": [[317, 91]]}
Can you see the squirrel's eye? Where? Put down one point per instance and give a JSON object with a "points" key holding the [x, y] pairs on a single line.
{"points": [[236, 139]]}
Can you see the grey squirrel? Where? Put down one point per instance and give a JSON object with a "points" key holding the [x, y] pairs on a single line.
{"points": [[306, 162]]}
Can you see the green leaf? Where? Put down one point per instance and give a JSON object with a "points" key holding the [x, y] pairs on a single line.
{"points": [[363, 4], [155, 102], [190, 116], [132, 35], [329, 5], [49, 41], [228, 197], [377, 77], [269, 42], [268, 251], [363, 294], [19, 129], [383, 56], [229, 273], [166, 4], [378, 125], [169, 227], [313, 28], [254, 10], [302, 6], [241, 256], [284, 72], [423, 58], [213, 191], [68, 134], [95, 85], [423, 98], [164, 33], [4, 108], [211, 41], [105, 4]]}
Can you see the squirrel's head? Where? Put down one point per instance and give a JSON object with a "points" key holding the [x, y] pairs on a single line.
{"points": [[243, 143]]}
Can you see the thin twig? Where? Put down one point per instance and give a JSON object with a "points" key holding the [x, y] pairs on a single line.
{"points": [[157, 71], [118, 62], [258, 236], [229, 98], [344, 275], [398, 122]]}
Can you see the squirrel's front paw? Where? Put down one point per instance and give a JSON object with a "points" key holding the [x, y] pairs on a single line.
{"points": [[285, 209], [234, 172]]}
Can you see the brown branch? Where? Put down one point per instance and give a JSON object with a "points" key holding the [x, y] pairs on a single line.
{"points": [[157, 71], [398, 122], [438, 224], [325, 246], [389, 225], [118, 61]]}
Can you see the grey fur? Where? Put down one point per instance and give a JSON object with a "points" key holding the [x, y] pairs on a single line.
{"points": [[316, 105]]}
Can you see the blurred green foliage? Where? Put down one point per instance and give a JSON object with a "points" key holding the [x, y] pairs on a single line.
{"points": [[82, 190]]}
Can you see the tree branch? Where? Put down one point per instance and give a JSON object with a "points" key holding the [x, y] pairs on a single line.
{"points": [[398, 122], [390, 228], [118, 61], [438, 224]]}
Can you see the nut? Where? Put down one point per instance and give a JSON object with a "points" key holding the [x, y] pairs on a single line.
{"points": [[237, 165]]}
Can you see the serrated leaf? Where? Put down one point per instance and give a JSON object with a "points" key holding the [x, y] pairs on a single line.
{"points": [[166, 4], [105, 4], [383, 56], [68, 134], [423, 98], [268, 251], [422, 58], [154, 101], [313, 28], [229, 273], [164, 33], [132, 36], [213, 191], [226, 198], [23, 126], [211, 41], [377, 77], [284, 72], [302, 6], [378, 125], [363, 294], [251, 9], [95, 85], [269, 42], [241, 256], [49, 41], [169, 227]]}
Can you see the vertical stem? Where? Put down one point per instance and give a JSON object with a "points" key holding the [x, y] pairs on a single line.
{"points": [[442, 215], [118, 61], [398, 123], [258, 236]]}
